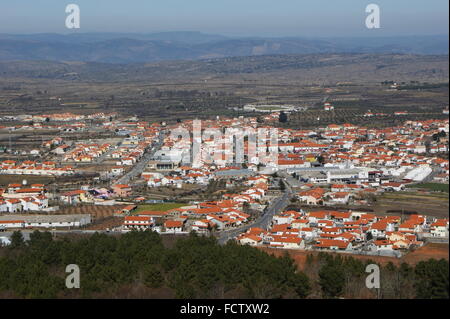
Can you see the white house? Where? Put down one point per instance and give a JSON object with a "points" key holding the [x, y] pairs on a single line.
{"points": [[287, 241], [138, 222]]}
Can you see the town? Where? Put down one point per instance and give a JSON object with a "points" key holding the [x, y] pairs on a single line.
{"points": [[103, 172]]}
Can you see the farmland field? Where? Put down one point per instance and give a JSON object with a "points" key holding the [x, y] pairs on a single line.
{"points": [[158, 207], [31, 179], [97, 212], [438, 187], [427, 203]]}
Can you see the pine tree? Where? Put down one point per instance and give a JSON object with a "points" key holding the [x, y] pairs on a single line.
{"points": [[17, 240]]}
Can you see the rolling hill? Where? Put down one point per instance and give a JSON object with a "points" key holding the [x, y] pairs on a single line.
{"points": [[125, 48]]}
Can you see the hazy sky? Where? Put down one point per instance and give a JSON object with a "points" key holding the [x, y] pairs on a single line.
{"points": [[230, 17]]}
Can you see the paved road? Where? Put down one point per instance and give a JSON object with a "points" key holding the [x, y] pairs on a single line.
{"points": [[140, 166], [293, 182], [102, 157], [263, 220]]}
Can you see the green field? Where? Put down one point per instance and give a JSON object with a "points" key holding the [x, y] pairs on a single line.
{"points": [[437, 187], [158, 207], [405, 195]]}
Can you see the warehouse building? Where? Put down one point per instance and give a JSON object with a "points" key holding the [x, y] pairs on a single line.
{"points": [[44, 221]]}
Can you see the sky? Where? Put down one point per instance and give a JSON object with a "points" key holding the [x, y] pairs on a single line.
{"points": [[309, 18]]}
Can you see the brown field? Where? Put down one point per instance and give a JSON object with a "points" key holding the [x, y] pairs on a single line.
{"points": [[106, 223], [435, 204], [97, 212], [431, 204], [17, 179], [64, 183], [432, 250], [186, 193]]}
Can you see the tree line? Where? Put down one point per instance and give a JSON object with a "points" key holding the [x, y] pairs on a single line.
{"points": [[140, 264]]}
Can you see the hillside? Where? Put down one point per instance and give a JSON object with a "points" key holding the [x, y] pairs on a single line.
{"points": [[139, 48], [303, 69]]}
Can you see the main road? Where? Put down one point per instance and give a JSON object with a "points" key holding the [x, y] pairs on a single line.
{"points": [[140, 166], [263, 220]]}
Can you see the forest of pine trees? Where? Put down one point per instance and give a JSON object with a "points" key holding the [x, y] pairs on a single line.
{"points": [[140, 265]]}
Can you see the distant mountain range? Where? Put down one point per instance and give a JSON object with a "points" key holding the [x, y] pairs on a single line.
{"points": [[127, 48]]}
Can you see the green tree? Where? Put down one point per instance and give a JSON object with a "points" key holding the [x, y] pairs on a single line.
{"points": [[432, 280], [282, 118], [17, 240], [153, 277], [332, 280], [301, 285], [320, 159]]}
